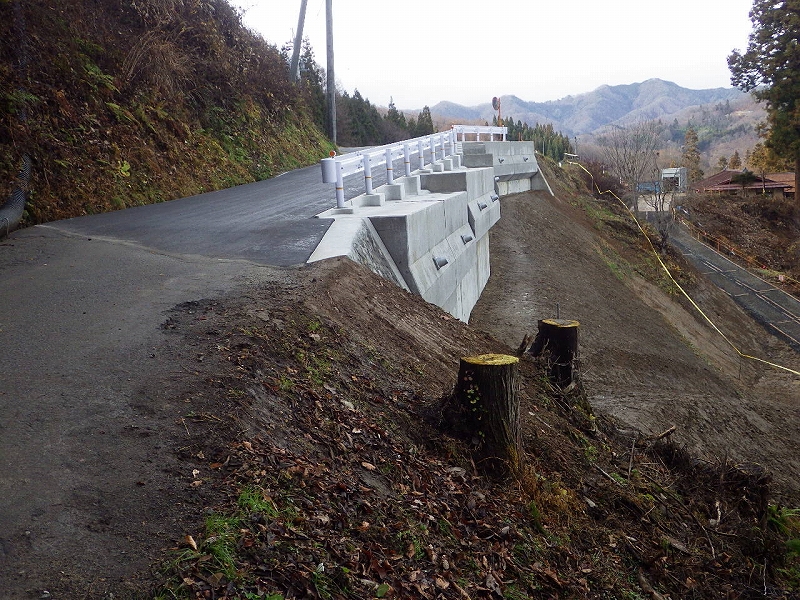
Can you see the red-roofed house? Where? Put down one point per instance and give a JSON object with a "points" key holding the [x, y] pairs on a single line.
{"points": [[787, 178], [724, 183]]}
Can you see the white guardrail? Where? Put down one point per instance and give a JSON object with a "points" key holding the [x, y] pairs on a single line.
{"points": [[336, 168]]}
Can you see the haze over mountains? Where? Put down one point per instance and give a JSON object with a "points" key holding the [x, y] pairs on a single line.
{"points": [[589, 112]]}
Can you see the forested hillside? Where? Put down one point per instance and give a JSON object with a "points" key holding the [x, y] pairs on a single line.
{"points": [[127, 102]]}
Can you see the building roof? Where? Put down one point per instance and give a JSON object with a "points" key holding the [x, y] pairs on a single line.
{"points": [[785, 178], [722, 182], [720, 178]]}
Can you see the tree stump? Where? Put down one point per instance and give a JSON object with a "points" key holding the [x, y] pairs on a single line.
{"points": [[487, 394], [559, 337]]}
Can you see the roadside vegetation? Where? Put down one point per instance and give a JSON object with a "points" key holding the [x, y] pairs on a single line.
{"points": [[121, 103]]}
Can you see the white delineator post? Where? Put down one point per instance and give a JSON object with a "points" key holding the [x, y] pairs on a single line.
{"points": [[389, 167], [367, 174], [332, 173]]}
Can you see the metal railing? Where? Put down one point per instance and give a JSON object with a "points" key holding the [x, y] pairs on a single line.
{"points": [[462, 131], [440, 145]]}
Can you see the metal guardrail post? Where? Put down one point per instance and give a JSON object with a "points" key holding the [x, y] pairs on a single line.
{"points": [[407, 159], [339, 187], [367, 173], [389, 167], [421, 154]]}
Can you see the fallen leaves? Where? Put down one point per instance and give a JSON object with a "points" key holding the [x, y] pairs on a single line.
{"points": [[362, 499]]}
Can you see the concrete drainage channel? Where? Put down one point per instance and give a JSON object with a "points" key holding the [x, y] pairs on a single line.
{"points": [[428, 232]]}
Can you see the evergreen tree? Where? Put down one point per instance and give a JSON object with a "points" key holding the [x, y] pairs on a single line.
{"points": [[744, 179], [691, 155], [424, 122], [395, 116], [412, 127], [312, 81], [394, 126], [736, 161], [722, 163], [545, 139], [770, 68]]}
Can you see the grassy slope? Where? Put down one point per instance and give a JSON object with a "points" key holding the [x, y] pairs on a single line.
{"points": [[128, 106]]}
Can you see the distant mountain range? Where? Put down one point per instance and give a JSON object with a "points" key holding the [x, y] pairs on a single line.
{"points": [[590, 112], [724, 118]]}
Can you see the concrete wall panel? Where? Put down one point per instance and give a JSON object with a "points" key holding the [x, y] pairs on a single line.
{"points": [[431, 213]]}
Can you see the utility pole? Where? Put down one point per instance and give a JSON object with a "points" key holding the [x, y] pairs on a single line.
{"points": [[331, 76], [298, 41]]}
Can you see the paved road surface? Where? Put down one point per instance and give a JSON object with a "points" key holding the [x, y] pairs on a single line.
{"points": [[82, 303], [775, 309], [270, 222]]}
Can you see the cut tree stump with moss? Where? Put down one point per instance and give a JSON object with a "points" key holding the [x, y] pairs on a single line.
{"points": [[487, 393]]}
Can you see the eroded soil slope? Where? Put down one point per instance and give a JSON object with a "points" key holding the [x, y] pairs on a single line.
{"points": [[647, 357]]}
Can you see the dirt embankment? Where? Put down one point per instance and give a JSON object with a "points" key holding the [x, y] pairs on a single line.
{"points": [[648, 357]]}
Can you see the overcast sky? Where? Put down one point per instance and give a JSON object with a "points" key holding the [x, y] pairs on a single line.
{"points": [[423, 51]]}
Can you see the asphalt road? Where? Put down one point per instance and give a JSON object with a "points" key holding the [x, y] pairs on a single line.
{"points": [[81, 344], [270, 222], [776, 310]]}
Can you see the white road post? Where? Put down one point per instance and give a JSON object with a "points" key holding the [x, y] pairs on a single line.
{"points": [[339, 185], [389, 167], [367, 173]]}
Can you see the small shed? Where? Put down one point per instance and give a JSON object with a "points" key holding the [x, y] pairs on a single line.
{"points": [[676, 179]]}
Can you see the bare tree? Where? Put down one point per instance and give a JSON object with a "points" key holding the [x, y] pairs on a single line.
{"points": [[662, 202], [630, 152]]}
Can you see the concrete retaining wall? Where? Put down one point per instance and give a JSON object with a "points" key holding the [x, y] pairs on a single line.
{"points": [[430, 233], [515, 166]]}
